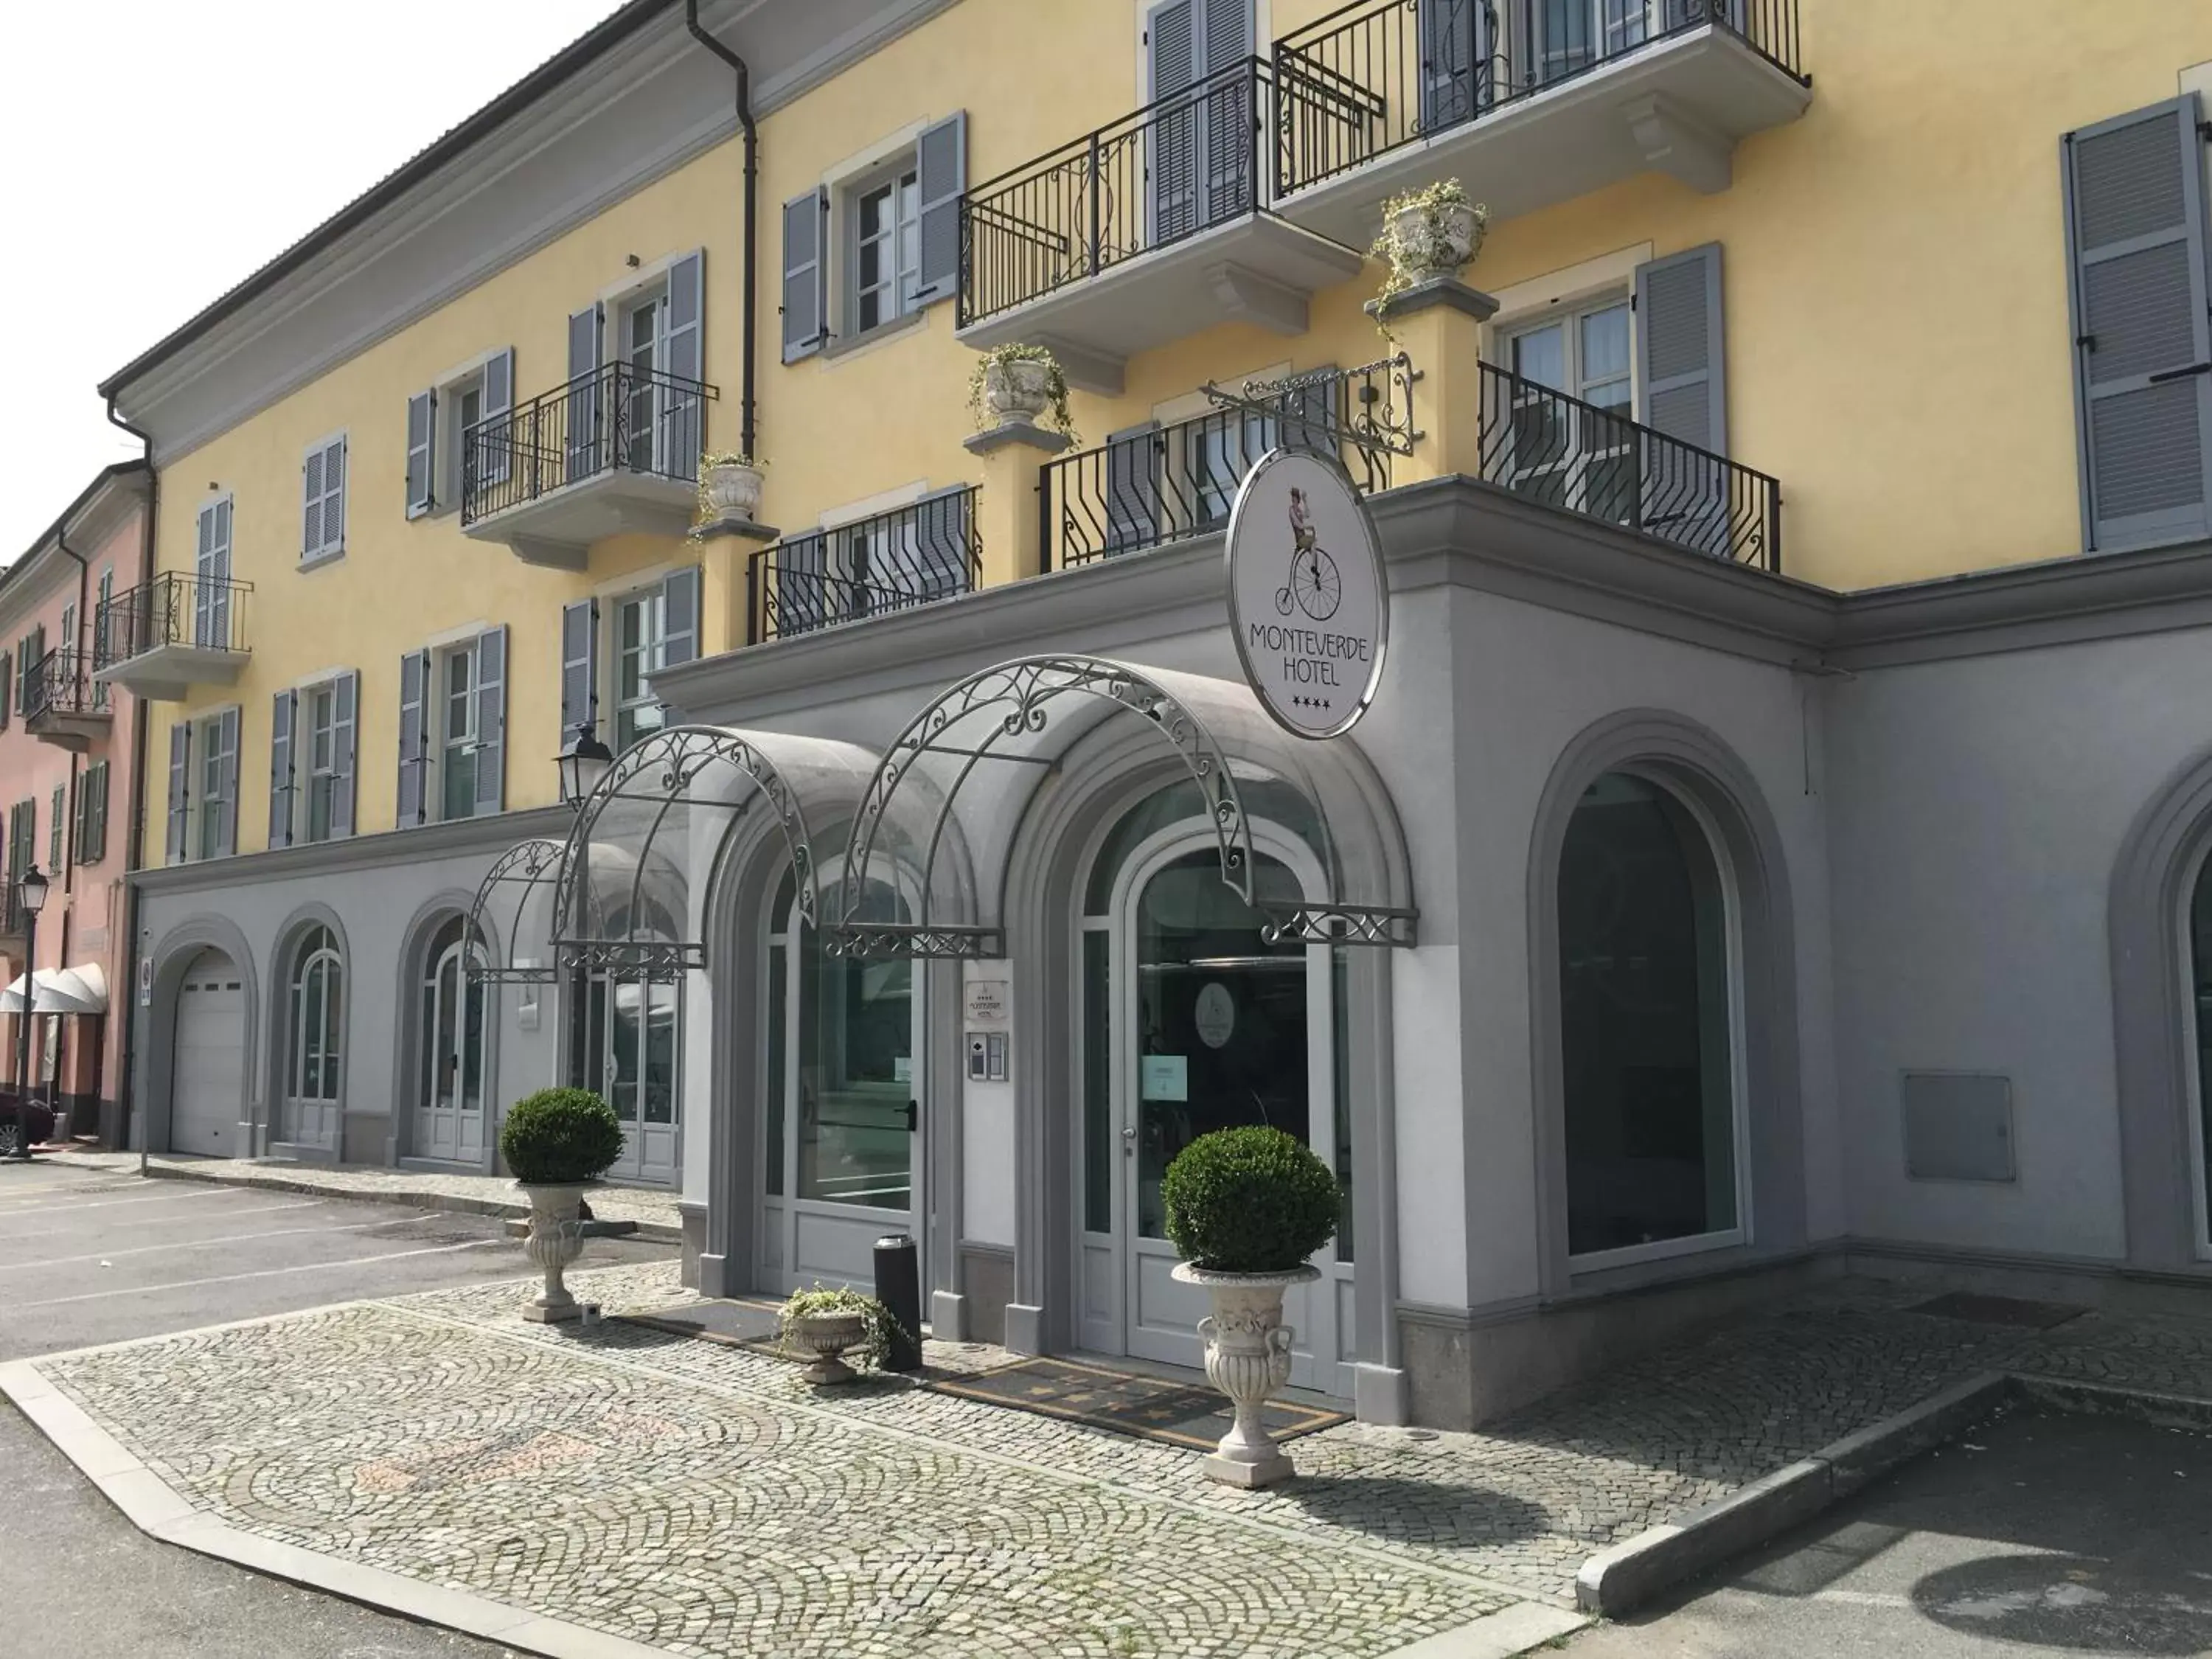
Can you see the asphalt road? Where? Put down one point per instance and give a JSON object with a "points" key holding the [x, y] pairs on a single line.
{"points": [[2042, 1533], [88, 1257]]}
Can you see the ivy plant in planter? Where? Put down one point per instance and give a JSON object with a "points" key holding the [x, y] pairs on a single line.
{"points": [[834, 1325], [1014, 384], [1246, 1208], [729, 486], [556, 1142], [1427, 232]]}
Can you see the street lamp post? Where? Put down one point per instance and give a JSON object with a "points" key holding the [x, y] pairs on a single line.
{"points": [[582, 764], [31, 893]]}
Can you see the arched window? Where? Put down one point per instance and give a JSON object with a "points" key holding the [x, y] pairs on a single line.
{"points": [[317, 993], [1647, 1023]]}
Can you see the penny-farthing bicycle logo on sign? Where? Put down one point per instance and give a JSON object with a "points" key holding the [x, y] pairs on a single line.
{"points": [[1313, 586], [1307, 602]]}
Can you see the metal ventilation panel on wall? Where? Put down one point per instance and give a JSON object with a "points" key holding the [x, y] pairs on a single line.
{"points": [[1958, 1127]]}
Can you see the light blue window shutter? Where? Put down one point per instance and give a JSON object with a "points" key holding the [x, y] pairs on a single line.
{"points": [[281, 714], [1230, 135], [942, 542], [7, 687], [345, 699], [414, 693], [681, 410], [1172, 40], [2142, 353], [584, 406], [181, 778], [421, 448], [1682, 392], [802, 596], [491, 720], [311, 490], [496, 443], [806, 274], [226, 807], [1134, 462], [940, 175], [580, 667]]}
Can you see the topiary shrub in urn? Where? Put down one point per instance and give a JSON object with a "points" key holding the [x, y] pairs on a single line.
{"points": [[1245, 1208], [557, 1142]]}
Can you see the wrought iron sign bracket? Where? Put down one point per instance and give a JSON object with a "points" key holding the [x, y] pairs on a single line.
{"points": [[916, 940], [1381, 431], [1341, 924]]}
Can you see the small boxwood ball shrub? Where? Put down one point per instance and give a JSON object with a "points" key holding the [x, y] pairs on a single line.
{"points": [[559, 1137], [1249, 1202]]}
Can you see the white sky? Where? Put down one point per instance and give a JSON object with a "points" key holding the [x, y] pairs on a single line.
{"points": [[154, 152]]}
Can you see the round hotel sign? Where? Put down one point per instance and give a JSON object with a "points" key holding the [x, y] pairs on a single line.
{"points": [[1307, 601]]}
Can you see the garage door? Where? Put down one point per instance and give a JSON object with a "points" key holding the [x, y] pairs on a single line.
{"points": [[207, 1083]]}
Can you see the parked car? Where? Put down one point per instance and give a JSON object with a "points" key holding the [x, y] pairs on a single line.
{"points": [[42, 1126]]}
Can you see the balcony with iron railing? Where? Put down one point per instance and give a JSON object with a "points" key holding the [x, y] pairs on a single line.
{"points": [[1150, 488], [896, 560], [63, 704], [1526, 102], [1151, 227], [612, 451], [167, 636]]}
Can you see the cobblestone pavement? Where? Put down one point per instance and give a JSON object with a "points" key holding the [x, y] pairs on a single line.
{"points": [[702, 1498], [654, 1211]]}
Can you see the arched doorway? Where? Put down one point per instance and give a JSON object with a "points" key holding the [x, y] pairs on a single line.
{"points": [[845, 1139], [314, 1018], [1192, 1020], [1650, 1029], [2199, 1006], [448, 1115], [207, 1073]]}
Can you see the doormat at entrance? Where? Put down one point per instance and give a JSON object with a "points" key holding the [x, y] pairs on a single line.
{"points": [[735, 1324], [1997, 1310], [1150, 1407]]}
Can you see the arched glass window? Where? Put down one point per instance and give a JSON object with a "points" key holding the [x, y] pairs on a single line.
{"points": [[1647, 1026], [317, 1003]]}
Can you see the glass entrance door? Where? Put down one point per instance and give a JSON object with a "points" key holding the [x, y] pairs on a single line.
{"points": [[630, 1047], [449, 1078], [845, 1129], [1206, 1026]]}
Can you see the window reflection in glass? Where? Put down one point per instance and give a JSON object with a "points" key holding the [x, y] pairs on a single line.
{"points": [[855, 1071]]}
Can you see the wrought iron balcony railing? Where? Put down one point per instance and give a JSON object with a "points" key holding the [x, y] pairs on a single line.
{"points": [[1598, 462], [61, 684], [1380, 74], [1166, 484], [1180, 165], [892, 561], [617, 418], [206, 613]]}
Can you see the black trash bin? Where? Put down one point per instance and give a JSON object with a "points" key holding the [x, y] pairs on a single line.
{"points": [[898, 1287]]}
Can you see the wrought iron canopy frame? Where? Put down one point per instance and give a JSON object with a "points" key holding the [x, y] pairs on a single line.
{"points": [[524, 875], [1384, 425], [983, 719]]}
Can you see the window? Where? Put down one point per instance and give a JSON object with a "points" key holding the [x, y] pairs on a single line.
{"points": [[322, 759], [211, 566], [457, 733], [1647, 1026], [323, 501], [610, 649], [56, 816], [886, 252], [92, 814], [316, 998], [311, 770], [641, 639], [456, 432], [203, 807], [99, 634], [28, 651], [1563, 455], [885, 239]]}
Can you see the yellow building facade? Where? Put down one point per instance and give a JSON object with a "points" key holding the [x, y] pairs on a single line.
{"points": [[1784, 325]]}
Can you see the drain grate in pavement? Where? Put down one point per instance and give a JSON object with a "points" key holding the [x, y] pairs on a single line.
{"points": [[1997, 1310]]}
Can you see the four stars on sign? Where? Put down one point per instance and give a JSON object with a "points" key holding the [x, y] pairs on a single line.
{"points": [[1321, 704]]}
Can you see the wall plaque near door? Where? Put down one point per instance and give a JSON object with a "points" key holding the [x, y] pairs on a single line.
{"points": [[1215, 1014], [1308, 604]]}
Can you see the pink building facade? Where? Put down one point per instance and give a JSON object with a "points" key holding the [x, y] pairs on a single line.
{"points": [[69, 767]]}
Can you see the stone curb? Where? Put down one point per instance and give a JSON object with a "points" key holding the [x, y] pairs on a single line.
{"points": [[149, 1503], [1617, 1580], [453, 1203], [2164, 1410], [1500, 1635]]}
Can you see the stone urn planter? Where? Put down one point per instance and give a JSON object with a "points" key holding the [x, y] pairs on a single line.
{"points": [[556, 1239], [730, 489], [557, 1142], [1018, 390], [826, 1336], [1247, 1357], [1436, 239]]}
